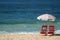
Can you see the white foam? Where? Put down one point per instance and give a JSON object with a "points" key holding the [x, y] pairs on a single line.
{"points": [[36, 32], [25, 33], [4, 32]]}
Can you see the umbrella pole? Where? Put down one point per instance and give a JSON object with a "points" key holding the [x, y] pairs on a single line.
{"points": [[45, 22]]}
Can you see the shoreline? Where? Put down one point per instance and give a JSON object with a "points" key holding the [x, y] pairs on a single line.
{"points": [[36, 32]]}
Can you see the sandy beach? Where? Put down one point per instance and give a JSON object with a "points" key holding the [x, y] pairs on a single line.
{"points": [[27, 37]]}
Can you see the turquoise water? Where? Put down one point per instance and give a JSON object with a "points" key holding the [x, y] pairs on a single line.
{"points": [[19, 28], [21, 16]]}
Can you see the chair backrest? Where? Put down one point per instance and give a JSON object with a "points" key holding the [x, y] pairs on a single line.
{"points": [[51, 28], [44, 28]]}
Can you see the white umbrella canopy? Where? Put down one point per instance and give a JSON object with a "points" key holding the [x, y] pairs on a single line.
{"points": [[46, 17]]}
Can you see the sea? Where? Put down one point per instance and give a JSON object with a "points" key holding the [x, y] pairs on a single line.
{"points": [[20, 16]]}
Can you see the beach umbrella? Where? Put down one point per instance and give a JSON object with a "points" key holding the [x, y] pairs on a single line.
{"points": [[46, 17]]}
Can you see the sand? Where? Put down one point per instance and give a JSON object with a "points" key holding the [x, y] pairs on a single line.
{"points": [[27, 37]]}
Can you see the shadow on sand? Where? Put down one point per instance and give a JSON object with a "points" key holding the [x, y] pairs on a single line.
{"points": [[56, 34]]}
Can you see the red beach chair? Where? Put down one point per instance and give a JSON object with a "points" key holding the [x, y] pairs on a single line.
{"points": [[51, 30], [44, 30]]}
